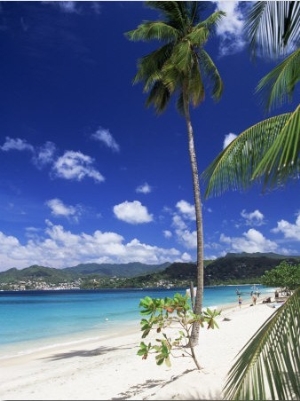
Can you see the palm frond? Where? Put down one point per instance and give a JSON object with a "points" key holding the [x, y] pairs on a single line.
{"points": [[212, 21], [150, 66], [157, 30], [273, 27], [159, 97], [280, 83], [234, 167], [200, 32], [182, 56], [268, 367], [281, 160], [173, 11], [198, 36], [212, 74], [196, 88]]}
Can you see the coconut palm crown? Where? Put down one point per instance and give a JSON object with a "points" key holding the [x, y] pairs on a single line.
{"points": [[180, 66]]}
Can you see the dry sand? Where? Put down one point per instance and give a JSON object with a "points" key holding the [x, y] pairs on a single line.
{"points": [[109, 369]]}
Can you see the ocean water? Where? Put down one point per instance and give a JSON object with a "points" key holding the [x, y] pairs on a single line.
{"points": [[31, 318]]}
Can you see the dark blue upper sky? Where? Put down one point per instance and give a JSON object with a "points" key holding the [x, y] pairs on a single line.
{"points": [[88, 174]]}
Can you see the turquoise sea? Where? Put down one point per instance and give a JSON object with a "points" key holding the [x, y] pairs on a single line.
{"points": [[43, 318]]}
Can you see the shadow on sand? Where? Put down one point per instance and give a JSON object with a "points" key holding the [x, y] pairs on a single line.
{"points": [[82, 353], [156, 385]]}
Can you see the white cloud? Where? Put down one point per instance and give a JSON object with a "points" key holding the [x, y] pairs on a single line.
{"points": [[59, 209], [167, 233], [255, 218], [186, 257], [228, 139], [144, 188], [251, 241], [178, 222], [230, 28], [132, 212], [61, 248], [289, 230], [186, 209], [104, 136], [45, 154], [16, 144], [184, 236], [76, 166], [187, 238]]}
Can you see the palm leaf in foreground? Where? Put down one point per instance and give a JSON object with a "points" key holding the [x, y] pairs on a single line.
{"points": [[268, 150], [268, 366]]}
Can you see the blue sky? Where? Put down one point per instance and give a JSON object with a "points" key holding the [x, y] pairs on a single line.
{"points": [[88, 174]]}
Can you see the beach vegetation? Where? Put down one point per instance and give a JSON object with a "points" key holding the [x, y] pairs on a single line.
{"points": [[181, 66], [285, 275], [172, 320]]}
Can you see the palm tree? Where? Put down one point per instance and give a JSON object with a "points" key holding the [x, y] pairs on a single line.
{"points": [[180, 67], [269, 150], [269, 365]]}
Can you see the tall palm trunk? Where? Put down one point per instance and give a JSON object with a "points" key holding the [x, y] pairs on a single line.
{"points": [[199, 223]]}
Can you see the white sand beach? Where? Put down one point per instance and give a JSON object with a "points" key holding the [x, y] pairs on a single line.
{"points": [[109, 369]]}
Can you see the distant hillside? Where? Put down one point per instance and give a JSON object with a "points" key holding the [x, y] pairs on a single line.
{"points": [[232, 268], [36, 273], [244, 266], [52, 275], [120, 270]]}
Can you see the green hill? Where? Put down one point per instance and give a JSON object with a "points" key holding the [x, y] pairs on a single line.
{"points": [[36, 273], [230, 269], [120, 270]]}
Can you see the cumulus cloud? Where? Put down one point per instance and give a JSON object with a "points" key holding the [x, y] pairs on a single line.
{"points": [[181, 220], [230, 28], [60, 248], [144, 188], [289, 230], [70, 166], [251, 241], [104, 136], [186, 209], [185, 236], [76, 166], [16, 144], [132, 212], [59, 209], [228, 139], [255, 218]]}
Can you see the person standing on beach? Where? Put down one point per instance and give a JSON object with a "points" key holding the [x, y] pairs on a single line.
{"points": [[240, 301], [254, 298]]}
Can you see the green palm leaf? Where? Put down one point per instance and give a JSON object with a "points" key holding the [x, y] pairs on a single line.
{"points": [[212, 74], [243, 159], [280, 83], [151, 31], [281, 161], [268, 367], [273, 27]]}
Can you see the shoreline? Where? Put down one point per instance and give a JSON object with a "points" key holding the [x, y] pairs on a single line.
{"points": [[107, 367], [11, 350]]}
